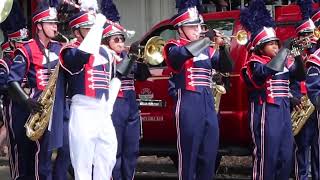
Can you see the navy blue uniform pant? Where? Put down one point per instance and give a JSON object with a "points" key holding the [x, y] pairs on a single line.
{"points": [[306, 141], [31, 160], [126, 120], [273, 140], [21, 160], [197, 135]]}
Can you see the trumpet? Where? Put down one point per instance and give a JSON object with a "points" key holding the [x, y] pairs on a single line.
{"points": [[299, 45], [241, 37]]}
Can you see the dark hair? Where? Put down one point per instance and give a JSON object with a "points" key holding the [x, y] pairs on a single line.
{"points": [[106, 40], [257, 50]]}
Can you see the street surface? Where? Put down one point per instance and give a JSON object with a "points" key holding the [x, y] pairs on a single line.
{"points": [[162, 168]]}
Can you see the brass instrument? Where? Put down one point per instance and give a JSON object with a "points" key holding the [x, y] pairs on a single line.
{"points": [[300, 117], [316, 33], [152, 51], [37, 123], [5, 8], [299, 45], [241, 38], [218, 90]]}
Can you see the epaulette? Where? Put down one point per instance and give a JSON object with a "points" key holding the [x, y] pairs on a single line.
{"points": [[57, 42], [28, 41], [174, 41], [314, 58], [256, 58]]}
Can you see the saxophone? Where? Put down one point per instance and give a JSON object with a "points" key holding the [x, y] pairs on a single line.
{"points": [[218, 90], [300, 117], [37, 123]]}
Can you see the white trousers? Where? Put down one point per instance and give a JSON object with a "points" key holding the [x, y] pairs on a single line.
{"points": [[92, 139]]}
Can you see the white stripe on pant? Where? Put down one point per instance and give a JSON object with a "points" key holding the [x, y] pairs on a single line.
{"points": [[92, 139]]}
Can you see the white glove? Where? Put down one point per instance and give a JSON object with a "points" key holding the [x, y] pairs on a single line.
{"points": [[89, 5], [92, 41], [100, 20], [115, 85]]}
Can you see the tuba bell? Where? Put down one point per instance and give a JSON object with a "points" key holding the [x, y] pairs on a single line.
{"points": [[152, 51], [5, 8]]}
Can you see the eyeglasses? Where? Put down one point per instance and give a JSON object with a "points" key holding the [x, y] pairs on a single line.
{"points": [[117, 39]]}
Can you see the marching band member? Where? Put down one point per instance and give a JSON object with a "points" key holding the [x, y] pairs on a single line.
{"points": [[313, 86], [34, 60], [312, 83], [93, 92], [268, 70], [15, 33], [91, 133], [16, 38], [126, 115], [191, 59], [5, 63], [307, 135], [316, 19]]}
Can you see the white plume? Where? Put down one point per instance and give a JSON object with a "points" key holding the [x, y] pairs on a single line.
{"points": [[89, 5]]}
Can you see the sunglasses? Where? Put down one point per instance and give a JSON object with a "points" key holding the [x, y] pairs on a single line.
{"points": [[118, 39]]}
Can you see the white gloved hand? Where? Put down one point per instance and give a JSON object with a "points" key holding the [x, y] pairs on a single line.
{"points": [[89, 5], [92, 41], [115, 85], [100, 20]]}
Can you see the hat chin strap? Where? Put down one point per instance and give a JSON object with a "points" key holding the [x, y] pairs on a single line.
{"points": [[185, 35], [80, 32], [44, 32]]}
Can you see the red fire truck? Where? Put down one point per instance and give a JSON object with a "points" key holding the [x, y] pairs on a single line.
{"points": [[157, 107]]}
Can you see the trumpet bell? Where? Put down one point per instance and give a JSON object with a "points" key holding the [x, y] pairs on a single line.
{"points": [[5, 8], [153, 50], [242, 37]]}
